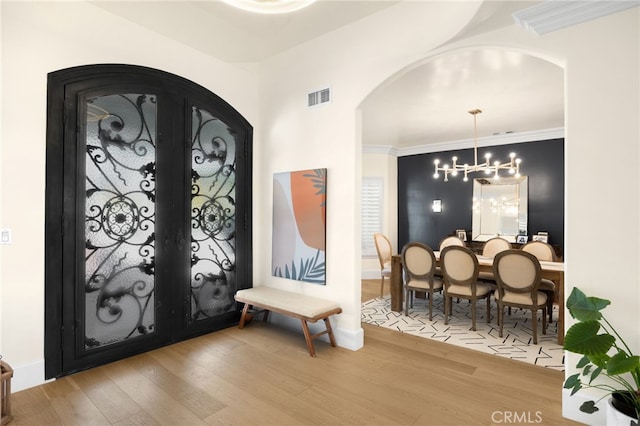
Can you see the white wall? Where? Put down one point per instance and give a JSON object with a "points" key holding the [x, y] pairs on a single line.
{"points": [[352, 60], [386, 167], [603, 128], [38, 38]]}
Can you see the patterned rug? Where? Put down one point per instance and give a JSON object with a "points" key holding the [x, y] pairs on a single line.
{"points": [[516, 343]]}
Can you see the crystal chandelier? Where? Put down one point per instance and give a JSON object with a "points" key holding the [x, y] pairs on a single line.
{"points": [[513, 165]]}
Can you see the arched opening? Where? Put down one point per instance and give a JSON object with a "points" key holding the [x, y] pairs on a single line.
{"points": [[421, 113]]}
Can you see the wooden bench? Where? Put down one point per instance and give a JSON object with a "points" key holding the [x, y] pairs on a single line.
{"points": [[305, 308]]}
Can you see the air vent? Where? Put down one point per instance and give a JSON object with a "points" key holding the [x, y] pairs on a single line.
{"points": [[319, 97]]}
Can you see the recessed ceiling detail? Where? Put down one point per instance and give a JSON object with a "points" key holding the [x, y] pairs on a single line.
{"points": [[270, 6]]}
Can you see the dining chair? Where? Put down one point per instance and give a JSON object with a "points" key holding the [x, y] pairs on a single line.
{"points": [[384, 249], [451, 240], [460, 269], [541, 250], [490, 249], [544, 251], [518, 275], [419, 265]]}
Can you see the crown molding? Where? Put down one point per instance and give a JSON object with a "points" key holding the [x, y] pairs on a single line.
{"points": [[502, 139], [553, 15], [380, 149]]}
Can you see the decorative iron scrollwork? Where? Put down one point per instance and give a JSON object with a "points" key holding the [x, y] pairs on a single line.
{"points": [[213, 216], [119, 218]]}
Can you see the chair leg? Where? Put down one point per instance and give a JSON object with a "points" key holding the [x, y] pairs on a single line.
{"points": [[550, 306], [488, 309], [544, 320], [500, 317], [381, 286], [473, 315], [534, 325], [430, 295], [406, 302], [447, 302]]}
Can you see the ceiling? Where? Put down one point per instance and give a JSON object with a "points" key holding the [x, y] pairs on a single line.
{"points": [[425, 105], [429, 104]]}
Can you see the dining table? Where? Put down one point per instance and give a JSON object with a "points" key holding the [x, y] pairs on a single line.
{"points": [[553, 271]]}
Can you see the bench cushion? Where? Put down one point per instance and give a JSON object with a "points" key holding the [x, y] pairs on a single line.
{"points": [[300, 304]]}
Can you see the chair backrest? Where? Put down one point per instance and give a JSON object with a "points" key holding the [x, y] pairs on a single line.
{"points": [[494, 246], [541, 250], [450, 241], [418, 261], [517, 271], [383, 247], [459, 266]]}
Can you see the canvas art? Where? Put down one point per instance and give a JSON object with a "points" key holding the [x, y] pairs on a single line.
{"points": [[299, 218]]}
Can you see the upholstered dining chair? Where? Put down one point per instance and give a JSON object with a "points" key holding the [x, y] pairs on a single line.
{"points": [[384, 249], [419, 264], [541, 250], [518, 275], [451, 240], [490, 249], [460, 269], [544, 251]]}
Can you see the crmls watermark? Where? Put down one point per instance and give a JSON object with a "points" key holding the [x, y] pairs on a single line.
{"points": [[519, 417]]}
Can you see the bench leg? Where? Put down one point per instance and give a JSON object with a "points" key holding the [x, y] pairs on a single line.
{"points": [[243, 317], [307, 337], [332, 339]]}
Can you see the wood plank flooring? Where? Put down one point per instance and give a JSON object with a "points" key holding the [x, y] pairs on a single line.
{"points": [[264, 375]]}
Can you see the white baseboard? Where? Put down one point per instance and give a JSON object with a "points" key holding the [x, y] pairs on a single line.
{"points": [[27, 376], [370, 274], [571, 407], [348, 339]]}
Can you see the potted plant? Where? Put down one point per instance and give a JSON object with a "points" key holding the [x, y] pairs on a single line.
{"points": [[605, 354]]}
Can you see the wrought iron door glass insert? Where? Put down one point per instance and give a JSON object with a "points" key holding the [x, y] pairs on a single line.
{"points": [[119, 218], [213, 216]]}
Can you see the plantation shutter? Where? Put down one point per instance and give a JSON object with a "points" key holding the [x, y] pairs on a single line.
{"points": [[371, 213]]}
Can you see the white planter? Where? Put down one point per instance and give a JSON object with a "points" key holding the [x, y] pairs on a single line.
{"points": [[616, 418]]}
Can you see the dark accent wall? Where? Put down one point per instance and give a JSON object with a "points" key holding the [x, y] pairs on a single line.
{"points": [[542, 162]]}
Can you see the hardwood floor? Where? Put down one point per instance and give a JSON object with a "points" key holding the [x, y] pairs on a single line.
{"points": [[371, 289], [264, 375]]}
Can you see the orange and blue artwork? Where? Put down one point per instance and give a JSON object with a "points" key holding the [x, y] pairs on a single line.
{"points": [[299, 225]]}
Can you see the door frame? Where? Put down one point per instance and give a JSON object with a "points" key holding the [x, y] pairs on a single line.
{"points": [[62, 136]]}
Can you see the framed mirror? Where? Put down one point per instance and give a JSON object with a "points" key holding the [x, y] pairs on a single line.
{"points": [[499, 208]]}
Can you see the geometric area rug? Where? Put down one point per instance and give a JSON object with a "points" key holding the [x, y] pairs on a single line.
{"points": [[516, 343]]}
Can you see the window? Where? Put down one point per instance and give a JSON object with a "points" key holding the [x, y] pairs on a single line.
{"points": [[372, 196]]}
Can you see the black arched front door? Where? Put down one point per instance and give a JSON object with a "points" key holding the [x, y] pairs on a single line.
{"points": [[148, 213]]}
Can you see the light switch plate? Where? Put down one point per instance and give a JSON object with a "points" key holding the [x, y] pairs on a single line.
{"points": [[5, 236]]}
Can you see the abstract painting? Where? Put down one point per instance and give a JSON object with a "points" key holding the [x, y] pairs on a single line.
{"points": [[299, 225]]}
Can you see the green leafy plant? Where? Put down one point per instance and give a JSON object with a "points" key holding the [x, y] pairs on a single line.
{"points": [[605, 354]]}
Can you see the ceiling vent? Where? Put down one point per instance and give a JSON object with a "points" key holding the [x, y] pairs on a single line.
{"points": [[319, 97]]}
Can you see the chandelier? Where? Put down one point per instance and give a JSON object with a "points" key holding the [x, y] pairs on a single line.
{"points": [[513, 165]]}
